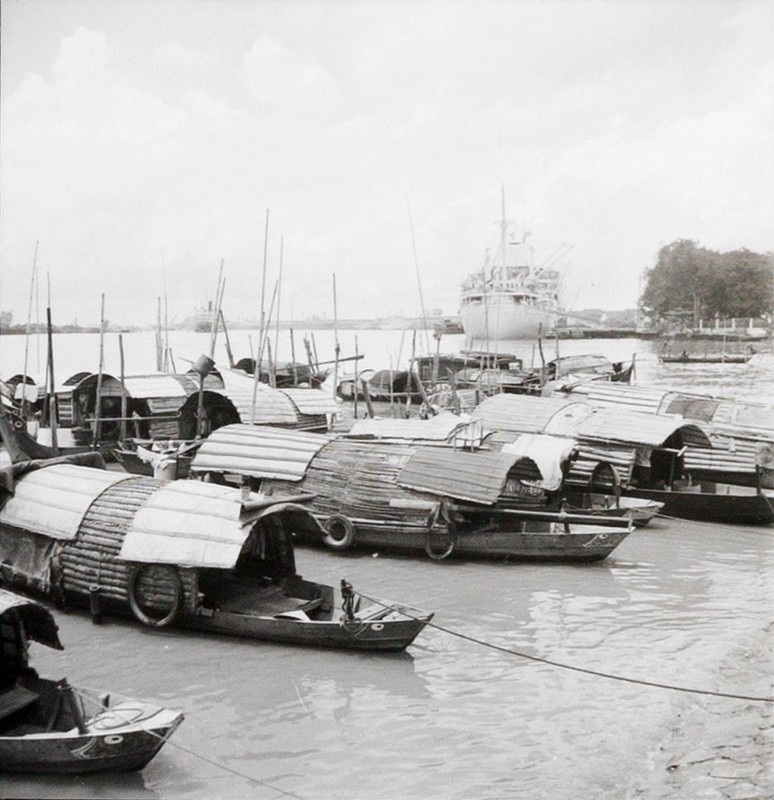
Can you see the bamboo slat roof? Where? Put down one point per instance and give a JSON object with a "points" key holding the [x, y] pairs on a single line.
{"points": [[475, 476], [624, 425]]}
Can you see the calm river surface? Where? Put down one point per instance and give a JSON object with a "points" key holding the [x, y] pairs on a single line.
{"points": [[678, 603]]}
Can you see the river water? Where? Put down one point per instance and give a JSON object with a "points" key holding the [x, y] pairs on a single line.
{"points": [[679, 603]]}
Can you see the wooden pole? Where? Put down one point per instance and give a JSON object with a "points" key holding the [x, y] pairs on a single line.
{"points": [[218, 298], [357, 380], [259, 351], [159, 354], [270, 361], [263, 285], [98, 399], [27, 330], [293, 360], [335, 338], [52, 404], [542, 357], [123, 387], [419, 282], [229, 353], [279, 298], [409, 377]]}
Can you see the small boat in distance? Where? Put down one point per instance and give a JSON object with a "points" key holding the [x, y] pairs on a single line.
{"points": [[46, 725], [706, 358]]}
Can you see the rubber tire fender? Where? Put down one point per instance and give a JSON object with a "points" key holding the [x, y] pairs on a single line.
{"points": [[338, 523], [131, 593]]}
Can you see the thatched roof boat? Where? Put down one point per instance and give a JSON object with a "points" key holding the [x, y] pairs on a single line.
{"points": [[411, 496], [47, 726], [741, 432], [652, 454], [166, 406], [201, 556]]}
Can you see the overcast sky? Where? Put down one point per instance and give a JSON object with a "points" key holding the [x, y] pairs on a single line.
{"points": [[144, 140]]}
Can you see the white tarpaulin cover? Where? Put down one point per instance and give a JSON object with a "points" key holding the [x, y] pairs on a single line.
{"points": [[151, 386], [53, 500], [548, 452], [312, 401], [438, 428]]}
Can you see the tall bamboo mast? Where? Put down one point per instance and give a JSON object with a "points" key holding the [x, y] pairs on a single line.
{"points": [[214, 323], [98, 399], [256, 360], [52, 404], [279, 298], [27, 328], [335, 338], [419, 281]]}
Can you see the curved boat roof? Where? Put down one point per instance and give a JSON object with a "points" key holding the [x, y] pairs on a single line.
{"points": [[475, 476], [259, 451], [38, 621], [566, 417], [53, 500], [194, 524]]}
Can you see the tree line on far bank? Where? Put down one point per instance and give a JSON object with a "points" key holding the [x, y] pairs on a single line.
{"points": [[704, 283]]}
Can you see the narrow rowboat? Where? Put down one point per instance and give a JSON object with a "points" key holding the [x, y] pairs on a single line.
{"points": [[50, 726], [712, 502]]}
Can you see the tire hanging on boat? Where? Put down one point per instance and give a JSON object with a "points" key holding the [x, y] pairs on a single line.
{"points": [[340, 532], [135, 575], [442, 509]]}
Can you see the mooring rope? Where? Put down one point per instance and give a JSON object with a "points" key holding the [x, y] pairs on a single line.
{"points": [[237, 773], [573, 668]]}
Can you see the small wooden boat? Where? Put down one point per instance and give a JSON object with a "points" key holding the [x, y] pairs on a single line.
{"points": [[706, 358], [640, 510], [709, 358], [48, 726], [198, 555], [710, 502]]}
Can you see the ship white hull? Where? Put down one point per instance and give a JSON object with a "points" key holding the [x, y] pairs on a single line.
{"points": [[500, 316]]}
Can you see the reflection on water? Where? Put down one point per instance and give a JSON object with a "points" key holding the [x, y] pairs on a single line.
{"points": [[450, 718]]}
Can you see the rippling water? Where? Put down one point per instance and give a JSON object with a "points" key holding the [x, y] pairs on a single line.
{"points": [[676, 603]]}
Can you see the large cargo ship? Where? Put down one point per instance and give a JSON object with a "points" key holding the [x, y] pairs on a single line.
{"points": [[510, 298]]}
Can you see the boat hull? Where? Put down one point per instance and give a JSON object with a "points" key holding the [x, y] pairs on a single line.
{"points": [[742, 508], [640, 510], [373, 633], [498, 316], [109, 744], [593, 543]]}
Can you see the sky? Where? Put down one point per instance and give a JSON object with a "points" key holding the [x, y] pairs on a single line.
{"points": [[145, 142]]}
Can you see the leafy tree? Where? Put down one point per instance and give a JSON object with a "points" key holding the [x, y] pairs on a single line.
{"points": [[706, 283]]}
